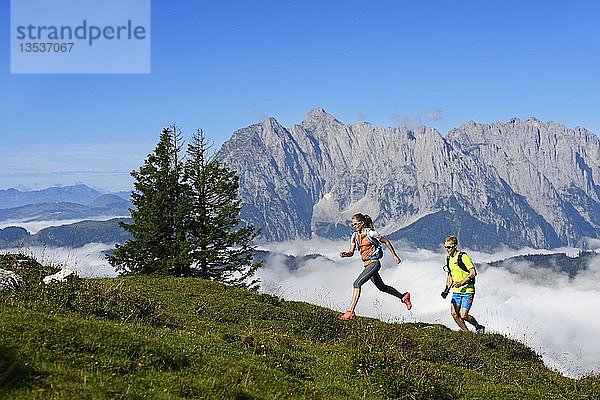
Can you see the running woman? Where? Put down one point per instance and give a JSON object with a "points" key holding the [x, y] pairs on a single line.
{"points": [[366, 239]]}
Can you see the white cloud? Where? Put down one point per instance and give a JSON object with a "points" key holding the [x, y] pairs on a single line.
{"points": [[361, 117], [405, 121], [433, 114]]}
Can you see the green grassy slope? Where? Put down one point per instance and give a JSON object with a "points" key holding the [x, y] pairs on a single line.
{"points": [[176, 338]]}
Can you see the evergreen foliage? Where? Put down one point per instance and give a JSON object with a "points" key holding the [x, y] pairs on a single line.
{"points": [[219, 250], [186, 217]]}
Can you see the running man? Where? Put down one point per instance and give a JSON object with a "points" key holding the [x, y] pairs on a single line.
{"points": [[461, 278]]}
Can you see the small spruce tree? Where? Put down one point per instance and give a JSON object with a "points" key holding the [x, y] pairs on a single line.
{"points": [[159, 245], [221, 247]]}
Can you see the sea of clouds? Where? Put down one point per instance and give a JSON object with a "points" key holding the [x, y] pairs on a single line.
{"points": [[554, 315]]}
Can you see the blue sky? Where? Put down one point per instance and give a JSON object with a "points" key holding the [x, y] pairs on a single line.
{"points": [[223, 65]]}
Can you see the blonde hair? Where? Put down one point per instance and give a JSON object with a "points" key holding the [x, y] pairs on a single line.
{"points": [[451, 239]]}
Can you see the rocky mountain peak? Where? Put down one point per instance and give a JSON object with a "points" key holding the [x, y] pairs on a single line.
{"points": [[533, 121], [317, 113], [319, 117], [271, 123]]}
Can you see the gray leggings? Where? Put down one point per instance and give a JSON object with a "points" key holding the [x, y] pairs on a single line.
{"points": [[371, 272]]}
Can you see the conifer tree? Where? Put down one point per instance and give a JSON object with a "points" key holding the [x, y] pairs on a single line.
{"points": [[159, 245], [186, 217], [221, 247]]}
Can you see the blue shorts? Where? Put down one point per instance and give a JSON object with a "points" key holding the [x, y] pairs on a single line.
{"points": [[463, 300]]}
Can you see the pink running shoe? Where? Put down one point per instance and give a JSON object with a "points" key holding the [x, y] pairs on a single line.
{"points": [[406, 300], [348, 315]]}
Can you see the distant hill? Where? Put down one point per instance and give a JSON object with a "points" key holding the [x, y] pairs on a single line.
{"points": [[80, 194], [108, 200], [72, 235], [545, 263], [125, 195], [291, 262], [12, 234], [105, 205]]}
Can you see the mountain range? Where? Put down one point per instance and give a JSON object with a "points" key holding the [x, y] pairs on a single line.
{"points": [[507, 184], [61, 203], [79, 194]]}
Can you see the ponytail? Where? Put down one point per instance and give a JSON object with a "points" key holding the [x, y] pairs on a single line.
{"points": [[368, 222]]}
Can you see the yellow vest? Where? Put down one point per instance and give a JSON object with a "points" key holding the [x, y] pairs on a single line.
{"points": [[458, 274]]}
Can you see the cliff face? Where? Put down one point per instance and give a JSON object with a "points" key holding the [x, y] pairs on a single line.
{"points": [[554, 168], [520, 183]]}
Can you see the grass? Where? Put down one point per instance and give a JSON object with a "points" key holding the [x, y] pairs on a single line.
{"points": [[178, 338]]}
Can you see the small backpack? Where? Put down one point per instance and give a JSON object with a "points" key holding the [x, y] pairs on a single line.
{"points": [[378, 250], [461, 265]]}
